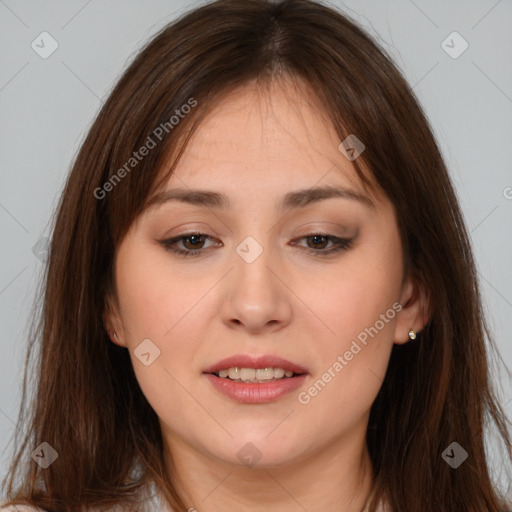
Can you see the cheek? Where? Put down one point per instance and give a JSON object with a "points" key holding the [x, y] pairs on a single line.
{"points": [[352, 364], [155, 307], [355, 303], [154, 299], [356, 292], [151, 306], [158, 305]]}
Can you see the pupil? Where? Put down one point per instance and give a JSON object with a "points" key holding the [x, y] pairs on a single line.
{"points": [[317, 239], [192, 237]]}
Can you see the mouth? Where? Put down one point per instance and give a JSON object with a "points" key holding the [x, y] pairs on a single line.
{"points": [[262, 368], [255, 375], [249, 379]]}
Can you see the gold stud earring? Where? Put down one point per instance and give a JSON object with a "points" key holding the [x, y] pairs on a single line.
{"points": [[412, 334]]}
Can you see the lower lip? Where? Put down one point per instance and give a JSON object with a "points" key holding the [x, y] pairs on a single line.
{"points": [[256, 392]]}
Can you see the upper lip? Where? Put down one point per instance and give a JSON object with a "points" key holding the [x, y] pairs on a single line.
{"points": [[249, 361]]}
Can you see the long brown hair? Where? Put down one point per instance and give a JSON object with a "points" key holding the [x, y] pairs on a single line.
{"points": [[437, 390]]}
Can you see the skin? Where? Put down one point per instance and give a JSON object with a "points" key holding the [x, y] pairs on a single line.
{"points": [[306, 308]]}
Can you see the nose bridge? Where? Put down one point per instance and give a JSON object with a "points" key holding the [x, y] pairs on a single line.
{"points": [[252, 275], [255, 297]]}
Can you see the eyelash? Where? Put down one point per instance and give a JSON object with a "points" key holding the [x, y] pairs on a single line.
{"points": [[340, 244]]}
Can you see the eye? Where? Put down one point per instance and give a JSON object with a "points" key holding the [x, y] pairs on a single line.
{"points": [[194, 244], [319, 241]]}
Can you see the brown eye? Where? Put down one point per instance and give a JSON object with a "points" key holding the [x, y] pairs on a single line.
{"points": [[319, 240], [193, 244], [195, 241]]}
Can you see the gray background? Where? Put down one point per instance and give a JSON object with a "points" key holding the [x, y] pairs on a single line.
{"points": [[46, 106]]}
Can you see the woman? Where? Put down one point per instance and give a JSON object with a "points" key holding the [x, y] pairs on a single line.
{"points": [[261, 293]]}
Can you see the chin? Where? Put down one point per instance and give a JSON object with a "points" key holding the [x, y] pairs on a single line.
{"points": [[256, 451]]}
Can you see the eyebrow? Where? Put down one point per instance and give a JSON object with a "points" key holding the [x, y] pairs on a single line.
{"points": [[292, 200]]}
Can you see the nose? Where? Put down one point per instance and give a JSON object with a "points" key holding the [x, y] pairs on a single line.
{"points": [[256, 297]]}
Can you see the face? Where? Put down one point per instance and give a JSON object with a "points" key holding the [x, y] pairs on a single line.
{"points": [[312, 285]]}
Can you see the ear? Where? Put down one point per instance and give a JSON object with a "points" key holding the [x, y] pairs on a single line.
{"points": [[112, 322], [415, 312]]}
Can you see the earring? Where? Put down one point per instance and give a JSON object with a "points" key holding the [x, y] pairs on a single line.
{"points": [[412, 334], [115, 336]]}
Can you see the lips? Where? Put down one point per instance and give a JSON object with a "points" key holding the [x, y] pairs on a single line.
{"points": [[255, 392], [248, 361]]}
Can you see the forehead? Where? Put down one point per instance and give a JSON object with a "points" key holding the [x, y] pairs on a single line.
{"points": [[270, 137]]}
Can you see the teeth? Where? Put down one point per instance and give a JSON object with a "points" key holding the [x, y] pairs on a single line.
{"points": [[234, 373], [279, 373], [255, 375], [247, 373], [265, 374]]}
